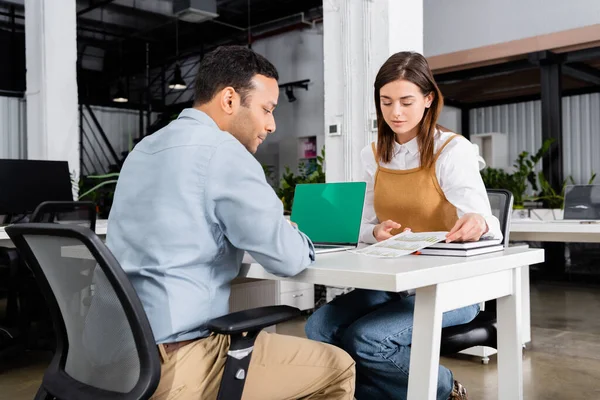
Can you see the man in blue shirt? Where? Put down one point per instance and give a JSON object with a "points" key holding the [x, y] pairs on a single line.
{"points": [[190, 199]]}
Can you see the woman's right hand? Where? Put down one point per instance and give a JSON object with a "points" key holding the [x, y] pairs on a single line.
{"points": [[383, 230]]}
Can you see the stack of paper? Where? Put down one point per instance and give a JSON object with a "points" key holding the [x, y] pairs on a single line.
{"points": [[464, 249], [402, 244]]}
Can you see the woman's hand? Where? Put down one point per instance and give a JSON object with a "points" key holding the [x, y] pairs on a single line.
{"points": [[383, 230], [469, 228]]}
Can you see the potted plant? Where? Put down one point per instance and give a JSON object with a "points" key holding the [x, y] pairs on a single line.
{"points": [[290, 180], [517, 182], [101, 193]]}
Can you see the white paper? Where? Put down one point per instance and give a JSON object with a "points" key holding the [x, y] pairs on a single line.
{"points": [[402, 244]]}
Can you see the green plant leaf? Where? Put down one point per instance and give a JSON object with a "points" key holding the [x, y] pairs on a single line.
{"points": [[591, 179], [105, 176], [96, 188]]}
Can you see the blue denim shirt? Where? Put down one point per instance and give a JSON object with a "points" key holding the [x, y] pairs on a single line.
{"points": [[189, 201]]}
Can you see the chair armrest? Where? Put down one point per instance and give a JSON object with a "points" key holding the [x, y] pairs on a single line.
{"points": [[254, 319]]}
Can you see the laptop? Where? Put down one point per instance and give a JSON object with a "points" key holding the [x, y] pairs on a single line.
{"points": [[330, 214], [582, 203]]}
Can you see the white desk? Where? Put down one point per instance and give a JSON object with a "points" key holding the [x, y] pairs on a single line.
{"points": [[101, 227], [554, 231], [548, 231], [442, 284]]}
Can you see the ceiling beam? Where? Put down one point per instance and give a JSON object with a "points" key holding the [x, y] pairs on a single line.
{"points": [[582, 72], [582, 55], [483, 72], [93, 5]]}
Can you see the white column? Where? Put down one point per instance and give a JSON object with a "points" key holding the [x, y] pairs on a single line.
{"points": [[52, 104], [359, 35]]}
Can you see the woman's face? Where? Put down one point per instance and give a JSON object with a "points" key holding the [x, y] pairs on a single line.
{"points": [[403, 106]]}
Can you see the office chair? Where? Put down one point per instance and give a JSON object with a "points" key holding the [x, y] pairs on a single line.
{"points": [[105, 346], [25, 292], [66, 212], [482, 331]]}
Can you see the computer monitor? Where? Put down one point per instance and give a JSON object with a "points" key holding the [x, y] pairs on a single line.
{"points": [[582, 202], [24, 184]]}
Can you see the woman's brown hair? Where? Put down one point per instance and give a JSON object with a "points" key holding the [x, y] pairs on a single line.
{"points": [[412, 67]]}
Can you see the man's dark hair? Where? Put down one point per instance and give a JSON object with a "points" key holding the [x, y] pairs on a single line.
{"points": [[233, 66]]}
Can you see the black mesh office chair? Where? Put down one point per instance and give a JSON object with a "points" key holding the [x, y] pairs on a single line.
{"points": [[32, 306], [105, 347], [482, 331]]}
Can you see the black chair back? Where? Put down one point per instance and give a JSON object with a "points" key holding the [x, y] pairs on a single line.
{"points": [[81, 213], [501, 201], [105, 347]]}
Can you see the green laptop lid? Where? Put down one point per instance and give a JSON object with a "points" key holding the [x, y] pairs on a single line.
{"points": [[329, 212]]}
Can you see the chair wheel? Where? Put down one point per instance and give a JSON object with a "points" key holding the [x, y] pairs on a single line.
{"points": [[485, 360]]}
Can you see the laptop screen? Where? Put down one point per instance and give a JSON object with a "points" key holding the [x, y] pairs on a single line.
{"points": [[329, 213], [582, 202]]}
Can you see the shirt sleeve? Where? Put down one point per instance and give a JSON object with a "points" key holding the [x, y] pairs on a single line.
{"points": [[369, 219], [457, 171], [250, 215]]}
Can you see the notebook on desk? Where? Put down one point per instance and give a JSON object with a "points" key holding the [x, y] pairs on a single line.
{"points": [[464, 249], [330, 214]]}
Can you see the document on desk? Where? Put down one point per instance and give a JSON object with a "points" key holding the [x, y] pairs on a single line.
{"points": [[402, 244]]}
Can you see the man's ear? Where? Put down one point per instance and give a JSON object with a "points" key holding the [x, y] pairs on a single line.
{"points": [[229, 99]]}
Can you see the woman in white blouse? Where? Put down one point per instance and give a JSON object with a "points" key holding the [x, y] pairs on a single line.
{"points": [[422, 178]]}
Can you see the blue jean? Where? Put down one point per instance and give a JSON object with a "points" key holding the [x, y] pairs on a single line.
{"points": [[375, 328]]}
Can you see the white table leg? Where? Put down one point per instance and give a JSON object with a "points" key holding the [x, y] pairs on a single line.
{"points": [[510, 350], [425, 348], [525, 299]]}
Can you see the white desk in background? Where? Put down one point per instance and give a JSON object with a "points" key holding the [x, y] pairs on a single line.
{"points": [[554, 231], [548, 231], [442, 284], [101, 226]]}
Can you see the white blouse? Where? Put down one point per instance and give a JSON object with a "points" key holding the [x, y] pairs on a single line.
{"points": [[457, 171]]}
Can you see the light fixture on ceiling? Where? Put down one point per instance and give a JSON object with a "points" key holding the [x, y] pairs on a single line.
{"points": [[120, 95], [177, 83], [289, 88]]}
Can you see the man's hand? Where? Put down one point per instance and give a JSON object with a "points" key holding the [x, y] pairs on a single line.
{"points": [[383, 230], [469, 228]]}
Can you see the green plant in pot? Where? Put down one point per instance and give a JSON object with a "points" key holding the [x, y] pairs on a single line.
{"points": [[289, 181], [101, 193], [552, 198], [516, 182]]}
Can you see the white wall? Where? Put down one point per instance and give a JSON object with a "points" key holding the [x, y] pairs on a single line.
{"points": [[465, 24], [12, 128], [297, 55], [450, 118], [523, 124]]}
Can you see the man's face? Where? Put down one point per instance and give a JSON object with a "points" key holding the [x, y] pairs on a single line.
{"points": [[254, 120]]}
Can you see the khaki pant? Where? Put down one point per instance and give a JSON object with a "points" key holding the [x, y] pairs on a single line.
{"points": [[281, 367]]}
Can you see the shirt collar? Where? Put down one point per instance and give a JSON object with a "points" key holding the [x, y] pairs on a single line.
{"points": [[199, 116], [411, 146]]}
